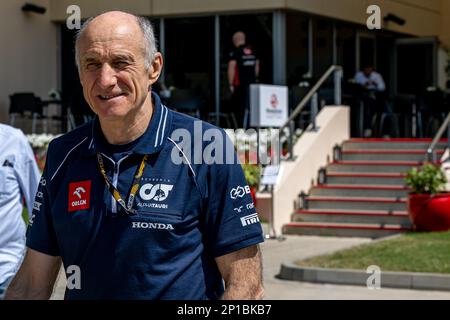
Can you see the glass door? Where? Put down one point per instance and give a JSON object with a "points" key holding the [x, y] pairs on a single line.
{"points": [[366, 50], [415, 65]]}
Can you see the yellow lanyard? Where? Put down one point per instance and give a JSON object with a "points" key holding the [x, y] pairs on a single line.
{"points": [[128, 207]]}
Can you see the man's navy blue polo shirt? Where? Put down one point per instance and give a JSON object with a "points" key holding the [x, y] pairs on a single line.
{"points": [[187, 214]]}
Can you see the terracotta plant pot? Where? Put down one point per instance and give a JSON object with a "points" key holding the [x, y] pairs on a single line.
{"points": [[430, 212]]}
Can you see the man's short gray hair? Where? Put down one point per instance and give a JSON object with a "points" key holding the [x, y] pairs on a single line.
{"points": [[147, 31]]}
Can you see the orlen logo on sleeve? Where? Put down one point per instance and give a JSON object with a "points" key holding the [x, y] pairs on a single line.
{"points": [[79, 195]]}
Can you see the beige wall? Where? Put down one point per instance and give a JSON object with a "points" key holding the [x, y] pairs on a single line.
{"points": [[170, 7], [355, 11], [28, 52], [445, 23], [423, 16], [162, 7], [92, 7]]}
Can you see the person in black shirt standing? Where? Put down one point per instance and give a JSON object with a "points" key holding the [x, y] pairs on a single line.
{"points": [[243, 70]]}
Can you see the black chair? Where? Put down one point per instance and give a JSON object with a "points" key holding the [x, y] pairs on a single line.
{"points": [[227, 120], [409, 117], [60, 120], [297, 93], [385, 113], [326, 95], [28, 106], [185, 101], [353, 96], [392, 119], [433, 108], [78, 110]]}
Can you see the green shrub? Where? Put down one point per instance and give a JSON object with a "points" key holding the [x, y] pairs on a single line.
{"points": [[429, 179], [252, 174]]}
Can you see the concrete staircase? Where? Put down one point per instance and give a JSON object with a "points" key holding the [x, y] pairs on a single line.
{"points": [[362, 193]]}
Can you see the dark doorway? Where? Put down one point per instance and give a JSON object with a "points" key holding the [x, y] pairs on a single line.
{"points": [[189, 63], [367, 50], [345, 49], [385, 56], [322, 46], [72, 92], [415, 67]]}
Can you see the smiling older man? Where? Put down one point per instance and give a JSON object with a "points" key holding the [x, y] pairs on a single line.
{"points": [[129, 221]]}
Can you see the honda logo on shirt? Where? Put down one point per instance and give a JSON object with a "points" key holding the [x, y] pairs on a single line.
{"points": [[79, 195]]}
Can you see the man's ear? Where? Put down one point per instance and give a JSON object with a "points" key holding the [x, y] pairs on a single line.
{"points": [[156, 68]]}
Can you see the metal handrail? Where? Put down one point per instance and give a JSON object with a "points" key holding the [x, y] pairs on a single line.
{"points": [[312, 94], [431, 154]]}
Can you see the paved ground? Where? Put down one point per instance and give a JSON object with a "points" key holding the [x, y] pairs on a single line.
{"points": [[296, 247], [301, 247]]}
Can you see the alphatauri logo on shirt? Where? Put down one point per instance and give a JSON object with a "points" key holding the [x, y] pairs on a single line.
{"points": [[156, 192], [79, 195]]}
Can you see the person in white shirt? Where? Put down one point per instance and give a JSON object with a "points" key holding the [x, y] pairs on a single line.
{"points": [[19, 179], [372, 96], [370, 79]]}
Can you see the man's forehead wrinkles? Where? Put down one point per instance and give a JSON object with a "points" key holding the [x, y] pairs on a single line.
{"points": [[94, 53], [104, 32], [113, 41], [111, 38], [122, 46]]}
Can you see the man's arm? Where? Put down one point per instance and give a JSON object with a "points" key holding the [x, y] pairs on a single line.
{"points": [[231, 73], [360, 79], [257, 70], [379, 82], [242, 272], [35, 278]]}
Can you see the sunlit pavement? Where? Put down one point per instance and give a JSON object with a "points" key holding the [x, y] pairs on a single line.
{"points": [[301, 247]]}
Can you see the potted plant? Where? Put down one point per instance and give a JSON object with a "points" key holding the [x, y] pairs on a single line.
{"points": [[428, 204], [252, 175]]}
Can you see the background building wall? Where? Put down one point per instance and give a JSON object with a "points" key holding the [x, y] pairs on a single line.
{"points": [[93, 7], [445, 23], [30, 56], [423, 17], [29, 52], [414, 12]]}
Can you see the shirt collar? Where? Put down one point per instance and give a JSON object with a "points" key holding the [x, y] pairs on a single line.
{"points": [[150, 142]]}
